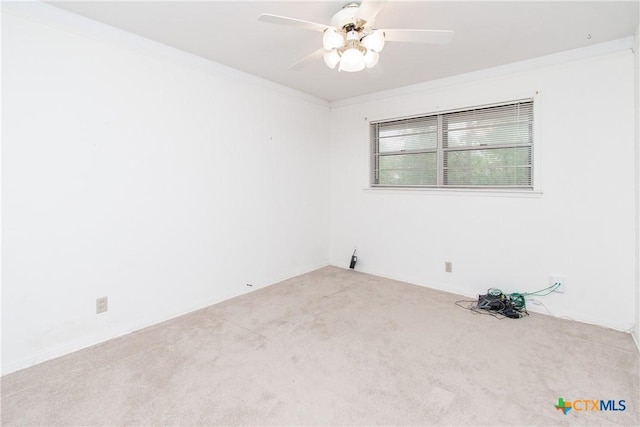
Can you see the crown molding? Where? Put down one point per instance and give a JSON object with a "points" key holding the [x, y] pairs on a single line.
{"points": [[63, 20]]}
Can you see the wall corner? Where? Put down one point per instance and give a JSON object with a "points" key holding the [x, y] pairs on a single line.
{"points": [[636, 51]]}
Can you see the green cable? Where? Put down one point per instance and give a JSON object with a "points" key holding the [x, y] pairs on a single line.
{"points": [[518, 299], [549, 290]]}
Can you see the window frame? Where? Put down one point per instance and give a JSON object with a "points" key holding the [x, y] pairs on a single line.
{"points": [[440, 151]]}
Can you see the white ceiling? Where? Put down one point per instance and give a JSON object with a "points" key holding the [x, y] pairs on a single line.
{"points": [[487, 34]]}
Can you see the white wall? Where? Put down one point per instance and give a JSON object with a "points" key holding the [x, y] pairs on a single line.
{"points": [[578, 226], [160, 180]]}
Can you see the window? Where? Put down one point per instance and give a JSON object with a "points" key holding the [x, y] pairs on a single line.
{"points": [[489, 147]]}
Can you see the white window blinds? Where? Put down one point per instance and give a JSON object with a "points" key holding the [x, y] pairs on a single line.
{"points": [[476, 148]]}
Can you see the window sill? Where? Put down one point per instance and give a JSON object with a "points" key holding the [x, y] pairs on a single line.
{"points": [[480, 192]]}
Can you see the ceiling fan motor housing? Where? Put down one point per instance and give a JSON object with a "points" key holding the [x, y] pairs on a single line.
{"points": [[347, 19]]}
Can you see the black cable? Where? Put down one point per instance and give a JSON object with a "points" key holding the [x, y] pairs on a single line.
{"points": [[507, 306], [473, 309]]}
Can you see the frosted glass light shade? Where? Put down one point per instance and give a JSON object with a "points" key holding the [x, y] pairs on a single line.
{"points": [[352, 60], [331, 58], [374, 41], [332, 39], [371, 58]]}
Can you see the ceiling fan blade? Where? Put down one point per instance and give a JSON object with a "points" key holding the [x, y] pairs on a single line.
{"points": [[292, 22], [313, 56], [419, 36], [368, 10]]}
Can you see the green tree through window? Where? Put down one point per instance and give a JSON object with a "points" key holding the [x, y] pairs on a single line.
{"points": [[484, 147]]}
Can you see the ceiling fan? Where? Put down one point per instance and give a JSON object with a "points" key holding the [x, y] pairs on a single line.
{"points": [[351, 40]]}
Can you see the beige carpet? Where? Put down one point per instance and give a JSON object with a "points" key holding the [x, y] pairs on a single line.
{"points": [[335, 347]]}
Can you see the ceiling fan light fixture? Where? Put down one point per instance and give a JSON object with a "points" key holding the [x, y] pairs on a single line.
{"points": [[353, 35], [374, 41], [332, 39], [352, 60], [331, 58], [371, 58], [351, 42]]}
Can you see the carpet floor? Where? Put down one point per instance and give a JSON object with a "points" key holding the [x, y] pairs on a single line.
{"points": [[336, 347]]}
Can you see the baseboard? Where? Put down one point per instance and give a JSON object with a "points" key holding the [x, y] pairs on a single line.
{"points": [[576, 317], [97, 339], [464, 292]]}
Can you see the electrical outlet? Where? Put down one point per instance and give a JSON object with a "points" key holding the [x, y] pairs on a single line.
{"points": [[102, 305], [448, 267], [557, 279]]}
